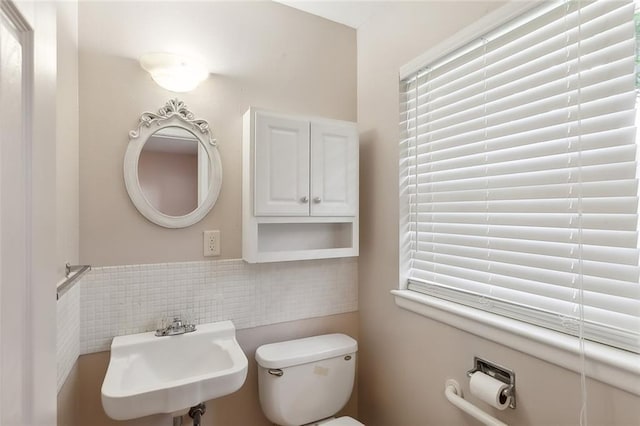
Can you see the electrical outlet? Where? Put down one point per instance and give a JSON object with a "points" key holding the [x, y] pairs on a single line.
{"points": [[211, 243]]}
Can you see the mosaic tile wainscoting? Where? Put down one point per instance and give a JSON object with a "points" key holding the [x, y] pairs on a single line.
{"points": [[68, 337], [131, 299]]}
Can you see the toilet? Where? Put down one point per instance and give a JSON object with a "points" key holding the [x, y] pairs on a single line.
{"points": [[307, 381]]}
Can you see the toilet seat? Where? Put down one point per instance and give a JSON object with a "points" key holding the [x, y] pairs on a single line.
{"points": [[342, 421]]}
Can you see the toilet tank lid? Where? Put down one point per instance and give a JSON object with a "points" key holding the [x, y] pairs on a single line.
{"points": [[302, 351]]}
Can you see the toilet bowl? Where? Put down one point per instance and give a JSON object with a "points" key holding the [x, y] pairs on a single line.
{"points": [[307, 381]]}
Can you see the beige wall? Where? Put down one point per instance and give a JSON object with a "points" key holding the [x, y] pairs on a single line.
{"points": [[405, 358], [240, 408], [261, 54], [67, 194]]}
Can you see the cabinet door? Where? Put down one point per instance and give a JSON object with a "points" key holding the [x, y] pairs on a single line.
{"points": [[334, 169], [281, 166]]}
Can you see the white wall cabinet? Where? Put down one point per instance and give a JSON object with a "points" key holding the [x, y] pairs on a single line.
{"points": [[300, 187]]}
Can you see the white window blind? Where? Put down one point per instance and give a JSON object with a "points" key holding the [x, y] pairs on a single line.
{"points": [[518, 161]]}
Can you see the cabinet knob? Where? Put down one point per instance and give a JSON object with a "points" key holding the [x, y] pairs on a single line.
{"points": [[304, 199], [317, 200]]}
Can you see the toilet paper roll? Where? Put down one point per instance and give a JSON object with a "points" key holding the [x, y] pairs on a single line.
{"points": [[489, 390]]}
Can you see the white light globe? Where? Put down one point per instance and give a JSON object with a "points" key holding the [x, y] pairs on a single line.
{"points": [[174, 72]]}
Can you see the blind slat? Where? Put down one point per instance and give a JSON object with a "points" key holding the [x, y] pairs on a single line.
{"points": [[549, 131], [469, 279], [567, 250], [615, 188], [604, 239]]}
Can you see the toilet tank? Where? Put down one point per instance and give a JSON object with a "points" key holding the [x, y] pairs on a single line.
{"points": [[304, 380]]}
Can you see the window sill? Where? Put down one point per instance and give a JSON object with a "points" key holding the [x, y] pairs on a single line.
{"points": [[606, 364]]}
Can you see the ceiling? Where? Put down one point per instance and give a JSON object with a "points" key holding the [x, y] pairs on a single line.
{"points": [[350, 13]]}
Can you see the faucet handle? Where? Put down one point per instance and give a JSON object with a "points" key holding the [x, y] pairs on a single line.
{"points": [[189, 321], [162, 325]]}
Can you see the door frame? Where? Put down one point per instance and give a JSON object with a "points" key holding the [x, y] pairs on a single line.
{"points": [[33, 332]]}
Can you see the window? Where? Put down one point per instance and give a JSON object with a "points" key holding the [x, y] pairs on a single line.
{"points": [[518, 164]]}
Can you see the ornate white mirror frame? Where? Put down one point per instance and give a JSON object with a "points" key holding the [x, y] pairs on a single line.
{"points": [[174, 114]]}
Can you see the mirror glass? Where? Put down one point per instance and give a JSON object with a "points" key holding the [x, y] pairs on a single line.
{"points": [[173, 171]]}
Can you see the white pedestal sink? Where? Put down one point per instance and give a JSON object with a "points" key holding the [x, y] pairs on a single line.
{"points": [[152, 375]]}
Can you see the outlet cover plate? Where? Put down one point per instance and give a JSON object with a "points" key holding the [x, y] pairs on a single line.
{"points": [[211, 243]]}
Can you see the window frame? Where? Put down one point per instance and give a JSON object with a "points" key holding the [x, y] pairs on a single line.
{"points": [[613, 366]]}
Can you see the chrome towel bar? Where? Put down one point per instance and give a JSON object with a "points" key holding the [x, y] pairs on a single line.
{"points": [[79, 270]]}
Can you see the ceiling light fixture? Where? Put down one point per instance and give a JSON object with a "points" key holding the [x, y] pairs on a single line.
{"points": [[176, 73]]}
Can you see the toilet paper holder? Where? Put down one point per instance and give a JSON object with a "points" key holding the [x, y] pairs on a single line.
{"points": [[498, 372]]}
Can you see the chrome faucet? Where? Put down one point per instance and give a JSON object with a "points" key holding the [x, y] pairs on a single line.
{"points": [[175, 328]]}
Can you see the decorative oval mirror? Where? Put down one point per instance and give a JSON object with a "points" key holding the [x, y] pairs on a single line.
{"points": [[172, 168]]}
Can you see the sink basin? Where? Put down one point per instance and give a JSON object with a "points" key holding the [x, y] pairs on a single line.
{"points": [[152, 375]]}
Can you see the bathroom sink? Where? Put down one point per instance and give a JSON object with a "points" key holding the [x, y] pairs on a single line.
{"points": [[153, 375]]}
